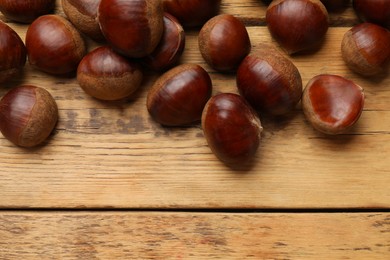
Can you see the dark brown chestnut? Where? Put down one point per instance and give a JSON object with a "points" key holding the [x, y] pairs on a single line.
{"points": [[335, 5], [83, 15], [224, 42], [178, 97], [192, 13], [28, 115], [132, 28], [12, 52], [374, 11], [170, 48], [269, 81], [54, 45], [297, 25], [25, 11], [366, 49], [267, 2], [332, 104], [106, 75], [231, 127]]}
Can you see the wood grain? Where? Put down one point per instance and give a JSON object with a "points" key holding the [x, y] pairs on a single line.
{"points": [[140, 235], [112, 155]]}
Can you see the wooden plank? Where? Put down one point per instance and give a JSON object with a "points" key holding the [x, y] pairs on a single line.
{"points": [[142, 235], [113, 155]]}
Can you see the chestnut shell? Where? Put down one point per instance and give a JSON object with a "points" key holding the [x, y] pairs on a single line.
{"points": [[231, 127], [374, 11], [28, 115], [297, 25], [83, 15], [224, 42], [269, 81], [332, 104], [106, 75], [26, 11], [54, 45], [12, 52], [132, 28], [178, 97], [366, 49], [192, 13], [170, 48]]}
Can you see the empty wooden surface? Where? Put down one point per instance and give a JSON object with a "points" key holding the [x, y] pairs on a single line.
{"points": [[113, 156], [140, 235]]}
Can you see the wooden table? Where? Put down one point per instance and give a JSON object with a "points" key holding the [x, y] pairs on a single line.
{"points": [[111, 183]]}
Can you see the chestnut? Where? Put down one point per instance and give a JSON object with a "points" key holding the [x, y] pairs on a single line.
{"points": [[231, 127], [297, 25], [83, 15], [54, 45], [269, 81], [192, 13], [374, 11], [132, 28], [28, 115], [25, 11], [106, 75], [178, 97], [366, 49], [224, 42], [170, 48], [12, 52], [332, 104], [335, 5]]}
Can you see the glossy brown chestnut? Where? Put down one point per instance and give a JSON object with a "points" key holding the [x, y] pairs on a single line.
{"points": [[25, 11], [170, 48], [231, 127], [28, 115], [374, 11], [335, 5], [178, 97], [83, 15], [297, 25], [366, 49], [332, 104], [106, 75], [12, 52], [224, 42], [192, 13], [54, 45], [269, 81], [132, 28]]}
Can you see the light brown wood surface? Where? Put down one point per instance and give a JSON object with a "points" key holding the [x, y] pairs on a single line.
{"points": [[112, 156], [140, 235]]}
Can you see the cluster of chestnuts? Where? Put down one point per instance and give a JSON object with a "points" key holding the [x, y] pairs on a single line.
{"points": [[139, 34]]}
